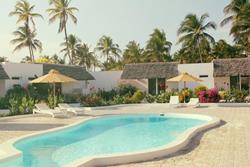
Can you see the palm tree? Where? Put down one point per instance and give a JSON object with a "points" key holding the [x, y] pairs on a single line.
{"points": [[70, 46], [238, 14], [133, 53], [158, 48], [222, 49], [232, 10], [85, 57], [26, 38], [108, 49], [24, 11], [192, 33], [112, 64], [55, 59], [62, 11]]}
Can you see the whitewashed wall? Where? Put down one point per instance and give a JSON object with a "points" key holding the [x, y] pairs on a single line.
{"points": [[23, 71], [2, 88], [80, 87], [106, 80], [197, 70]]}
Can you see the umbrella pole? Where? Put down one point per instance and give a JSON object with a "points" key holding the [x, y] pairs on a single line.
{"points": [[54, 92], [184, 92]]}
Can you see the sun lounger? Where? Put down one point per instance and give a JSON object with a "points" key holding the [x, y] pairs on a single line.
{"points": [[44, 109], [194, 102], [174, 101], [71, 109]]}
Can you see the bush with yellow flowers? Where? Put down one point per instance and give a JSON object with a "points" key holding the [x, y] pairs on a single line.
{"points": [[185, 95]]}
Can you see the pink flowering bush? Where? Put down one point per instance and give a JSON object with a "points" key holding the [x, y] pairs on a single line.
{"points": [[209, 96], [202, 96]]}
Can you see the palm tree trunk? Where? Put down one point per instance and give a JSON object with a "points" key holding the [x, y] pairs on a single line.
{"points": [[32, 52], [30, 47], [200, 51], [31, 57], [66, 38]]}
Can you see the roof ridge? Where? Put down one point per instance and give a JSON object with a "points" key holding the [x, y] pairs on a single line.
{"points": [[154, 63]]}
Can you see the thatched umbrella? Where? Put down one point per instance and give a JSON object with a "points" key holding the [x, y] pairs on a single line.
{"points": [[185, 77], [53, 77]]}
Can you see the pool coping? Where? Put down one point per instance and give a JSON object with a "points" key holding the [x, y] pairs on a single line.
{"points": [[8, 151]]}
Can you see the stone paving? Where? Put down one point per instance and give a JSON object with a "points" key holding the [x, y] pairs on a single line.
{"points": [[225, 146]]}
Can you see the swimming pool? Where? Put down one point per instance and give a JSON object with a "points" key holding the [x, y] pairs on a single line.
{"points": [[111, 135]]}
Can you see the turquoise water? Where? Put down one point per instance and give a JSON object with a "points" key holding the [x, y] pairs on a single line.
{"points": [[106, 135]]}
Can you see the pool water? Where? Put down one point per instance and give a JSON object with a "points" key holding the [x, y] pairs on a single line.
{"points": [[105, 135]]}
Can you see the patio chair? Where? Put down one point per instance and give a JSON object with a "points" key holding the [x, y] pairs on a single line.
{"points": [[42, 108], [71, 109], [194, 102], [174, 101]]}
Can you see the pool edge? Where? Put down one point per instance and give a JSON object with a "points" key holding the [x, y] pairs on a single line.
{"points": [[11, 152], [150, 154]]}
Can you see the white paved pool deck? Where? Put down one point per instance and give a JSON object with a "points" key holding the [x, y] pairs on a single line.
{"points": [[225, 146]]}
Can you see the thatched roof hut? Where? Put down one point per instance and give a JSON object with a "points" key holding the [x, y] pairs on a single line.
{"points": [[231, 67], [3, 74], [76, 72], [150, 70]]}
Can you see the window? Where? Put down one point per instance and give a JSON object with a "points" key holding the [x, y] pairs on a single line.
{"points": [[15, 78], [31, 78], [238, 82], [203, 76]]}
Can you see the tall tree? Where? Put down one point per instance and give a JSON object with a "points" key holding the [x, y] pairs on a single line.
{"points": [[108, 48], [85, 57], [158, 48], [26, 38], [112, 64], [25, 13], [133, 53], [62, 11], [238, 14], [55, 59], [193, 34], [222, 50], [70, 46]]}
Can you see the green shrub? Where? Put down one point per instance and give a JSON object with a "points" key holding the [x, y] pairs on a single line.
{"points": [[238, 95], [27, 105], [54, 101], [107, 95], [138, 96], [126, 90], [17, 91], [14, 106], [72, 98], [164, 97], [118, 100], [93, 101], [199, 89], [4, 103], [150, 98]]}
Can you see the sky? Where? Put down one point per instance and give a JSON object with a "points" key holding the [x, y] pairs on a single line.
{"points": [[123, 20]]}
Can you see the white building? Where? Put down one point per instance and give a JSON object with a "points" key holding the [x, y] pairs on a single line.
{"points": [[221, 74], [148, 77], [21, 74]]}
